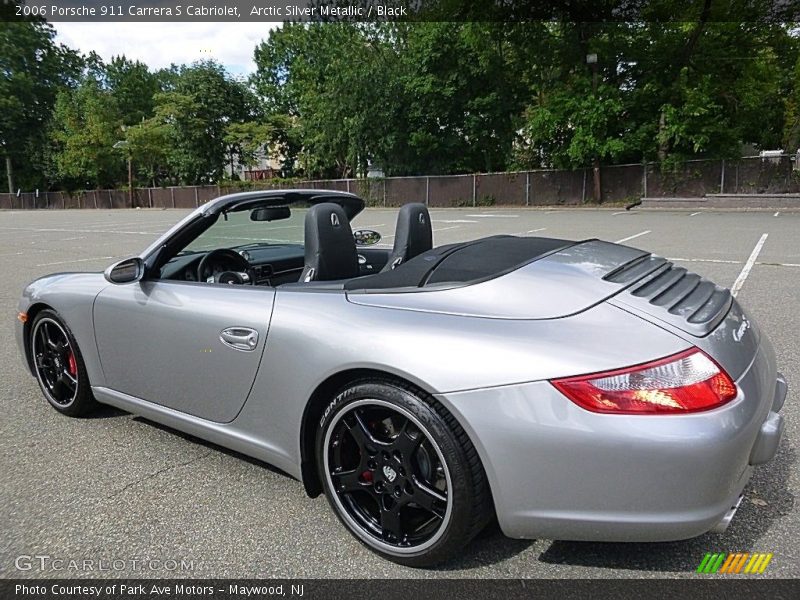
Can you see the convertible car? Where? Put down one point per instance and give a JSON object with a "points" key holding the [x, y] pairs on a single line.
{"points": [[578, 390]]}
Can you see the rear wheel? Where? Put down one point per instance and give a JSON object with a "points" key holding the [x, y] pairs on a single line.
{"points": [[59, 366], [400, 473]]}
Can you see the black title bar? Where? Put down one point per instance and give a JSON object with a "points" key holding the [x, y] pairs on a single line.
{"points": [[697, 587], [776, 11]]}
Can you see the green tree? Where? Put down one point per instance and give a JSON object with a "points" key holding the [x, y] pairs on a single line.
{"points": [[85, 126], [149, 144], [245, 141], [133, 87], [33, 68], [205, 102]]}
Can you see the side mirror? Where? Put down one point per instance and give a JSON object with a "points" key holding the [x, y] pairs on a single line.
{"points": [[125, 271], [270, 213], [366, 237]]}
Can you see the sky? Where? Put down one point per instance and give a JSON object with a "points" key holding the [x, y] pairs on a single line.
{"points": [[160, 44]]}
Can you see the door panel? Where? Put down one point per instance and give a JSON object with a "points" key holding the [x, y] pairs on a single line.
{"points": [[163, 341]]}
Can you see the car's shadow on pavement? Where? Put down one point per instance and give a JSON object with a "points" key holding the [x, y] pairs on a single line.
{"points": [[105, 411], [490, 546], [767, 498], [211, 445]]}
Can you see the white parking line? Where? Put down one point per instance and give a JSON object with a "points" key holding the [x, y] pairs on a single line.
{"points": [[26, 252], [709, 260], [737, 285], [485, 216], [630, 237], [446, 228], [529, 231], [618, 213], [694, 214], [64, 262], [776, 214], [80, 230], [453, 221]]}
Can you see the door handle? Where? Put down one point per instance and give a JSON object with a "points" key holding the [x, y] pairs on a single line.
{"points": [[239, 338]]}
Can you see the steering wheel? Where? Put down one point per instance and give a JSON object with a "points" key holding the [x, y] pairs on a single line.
{"points": [[227, 259]]}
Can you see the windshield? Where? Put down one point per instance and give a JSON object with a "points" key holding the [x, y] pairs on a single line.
{"points": [[239, 231]]}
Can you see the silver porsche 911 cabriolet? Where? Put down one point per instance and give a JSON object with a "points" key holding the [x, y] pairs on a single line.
{"points": [[577, 390]]}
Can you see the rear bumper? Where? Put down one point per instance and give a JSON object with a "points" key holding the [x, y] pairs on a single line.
{"points": [[560, 472], [769, 435]]}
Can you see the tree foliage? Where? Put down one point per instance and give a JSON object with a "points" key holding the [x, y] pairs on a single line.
{"points": [[33, 68], [435, 97]]}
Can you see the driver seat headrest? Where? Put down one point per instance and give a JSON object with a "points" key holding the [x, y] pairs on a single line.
{"points": [[330, 250]]}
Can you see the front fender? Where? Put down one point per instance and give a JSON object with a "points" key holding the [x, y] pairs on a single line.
{"points": [[72, 296]]}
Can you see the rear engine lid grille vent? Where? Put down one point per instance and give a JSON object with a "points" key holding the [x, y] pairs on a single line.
{"points": [[672, 294]]}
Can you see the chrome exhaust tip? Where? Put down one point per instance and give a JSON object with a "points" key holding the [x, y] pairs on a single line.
{"points": [[723, 523]]}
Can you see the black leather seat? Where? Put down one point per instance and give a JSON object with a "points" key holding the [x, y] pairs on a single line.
{"points": [[330, 250], [413, 235]]}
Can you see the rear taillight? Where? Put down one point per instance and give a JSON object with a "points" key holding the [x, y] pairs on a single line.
{"points": [[681, 383]]}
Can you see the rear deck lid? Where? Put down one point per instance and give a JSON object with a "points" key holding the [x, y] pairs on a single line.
{"points": [[567, 278]]}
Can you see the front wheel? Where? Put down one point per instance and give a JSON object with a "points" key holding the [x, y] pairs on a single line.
{"points": [[59, 366], [400, 473]]}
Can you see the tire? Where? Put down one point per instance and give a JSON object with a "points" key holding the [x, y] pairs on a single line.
{"points": [[400, 473], [59, 366]]}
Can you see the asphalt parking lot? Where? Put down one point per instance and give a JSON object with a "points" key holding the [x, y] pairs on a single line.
{"points": [[118, 487]]}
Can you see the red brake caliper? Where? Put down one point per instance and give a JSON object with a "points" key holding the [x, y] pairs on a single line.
{"points": [[73, 366]]}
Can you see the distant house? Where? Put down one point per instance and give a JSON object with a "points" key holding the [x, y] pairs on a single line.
{"points": [[266, 166]]}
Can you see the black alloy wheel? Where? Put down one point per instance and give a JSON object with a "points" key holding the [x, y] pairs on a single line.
{"points": [[59, 366], [396, 474]]}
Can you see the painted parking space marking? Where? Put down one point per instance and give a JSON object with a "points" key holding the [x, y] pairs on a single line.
{"points": [[709, 260], [529, 231], [694, 214], [62, 230], [634, 236], [74, 260], [737, 285], [776, 214], [488, 216]]}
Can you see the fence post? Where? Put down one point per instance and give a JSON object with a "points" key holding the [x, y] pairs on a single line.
{"points": [[644, 180], [172, 195], [474, 189], [527, 188], [196, 198], [150, 197], [722, 179], [427, 190], [348, 186], [110, 199], [384, 192], [583, 190]]}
